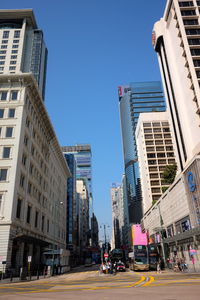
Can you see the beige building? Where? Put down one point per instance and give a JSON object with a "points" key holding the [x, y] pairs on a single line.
{"points": [[33, 171], [155, 151]]}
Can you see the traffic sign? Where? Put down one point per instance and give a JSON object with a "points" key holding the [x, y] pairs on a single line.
{"points": [[106, 255]]}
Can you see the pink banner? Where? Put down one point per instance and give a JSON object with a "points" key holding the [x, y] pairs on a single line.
{"points": [[139, 238]]}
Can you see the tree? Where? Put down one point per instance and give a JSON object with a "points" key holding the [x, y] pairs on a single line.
{"points": [[169, 173]]}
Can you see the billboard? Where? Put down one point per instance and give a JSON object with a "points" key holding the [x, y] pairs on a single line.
{"points": [[192, 183], [138, 237]]}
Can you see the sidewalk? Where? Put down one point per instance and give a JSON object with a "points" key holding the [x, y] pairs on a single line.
{"points": [[18, 280]]}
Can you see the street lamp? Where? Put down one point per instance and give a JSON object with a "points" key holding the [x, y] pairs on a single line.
{"points": [[159, 229], [105, 239], [53, 258]]}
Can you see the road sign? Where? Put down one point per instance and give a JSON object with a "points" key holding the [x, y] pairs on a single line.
{"points": [[29, 259], [106, 255]]}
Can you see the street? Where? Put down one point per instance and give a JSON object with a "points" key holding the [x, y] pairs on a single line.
{"points": [[88, 283]]}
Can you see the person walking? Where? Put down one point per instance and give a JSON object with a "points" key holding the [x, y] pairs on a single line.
{"points": [[159, 266]]}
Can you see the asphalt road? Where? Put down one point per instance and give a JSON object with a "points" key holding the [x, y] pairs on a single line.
{"points": [[88, 283]]}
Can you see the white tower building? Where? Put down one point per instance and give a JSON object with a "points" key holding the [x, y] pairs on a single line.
{"points": [[176, 40]]}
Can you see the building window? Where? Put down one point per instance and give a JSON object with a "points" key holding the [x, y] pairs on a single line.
{"points": [[14, 95], [13, 62], [14, 51], [4, 46], [2, 57], [9, 132], [6, 152], [22, 180], [196, 62], [26, 140], [4, 41], [193, 31], [2, 62], [42, 223], [29, 188], [11, 113], [3, 174], [6, 34], [16, 34], [31, 169], [13, 57], [3, 96], [15, 46], [190, 22], [19, 206], [1, 201], [188, 13], [28, 216], [1, 69], [47, 225], [1, 113], [36, 218], [27, 122], [2, 51], [24, 159], [12, 68]]}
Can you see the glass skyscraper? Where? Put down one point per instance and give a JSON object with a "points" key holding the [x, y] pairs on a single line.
{"points": [[136, 98]]}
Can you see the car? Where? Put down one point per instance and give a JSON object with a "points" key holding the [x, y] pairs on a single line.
{"points": [[120, 267]]}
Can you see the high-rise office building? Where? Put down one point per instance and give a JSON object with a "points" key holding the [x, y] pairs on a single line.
{"points": [[155, 152], [33, 171], [176, 40], [134, 99], [22, 46], [71, 238], [116, 198], [83, 157]]}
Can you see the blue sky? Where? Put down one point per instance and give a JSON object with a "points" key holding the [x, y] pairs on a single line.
{"points": [[94, 46]]}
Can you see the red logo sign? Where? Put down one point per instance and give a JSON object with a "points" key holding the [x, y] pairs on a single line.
{"points": [[106, 255]]}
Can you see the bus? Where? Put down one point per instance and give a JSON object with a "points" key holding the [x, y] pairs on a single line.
{"points": [[153, 256], [138, 259], [116, 255]]}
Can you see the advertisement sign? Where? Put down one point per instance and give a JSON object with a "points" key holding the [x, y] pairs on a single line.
{"points": [[138, 237], [122, 90], [192, 180]]}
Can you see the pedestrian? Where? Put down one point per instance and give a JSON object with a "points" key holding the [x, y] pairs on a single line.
{"points": [[158, 266], [179, 264], [104, 268]]}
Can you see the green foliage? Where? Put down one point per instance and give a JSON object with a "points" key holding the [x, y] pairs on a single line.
{"points": [[164, 188], [169, 173], [154, 201]]}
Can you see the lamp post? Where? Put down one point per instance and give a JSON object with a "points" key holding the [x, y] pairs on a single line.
{"points": [[159, 229], [53, 257], [105, 238]]}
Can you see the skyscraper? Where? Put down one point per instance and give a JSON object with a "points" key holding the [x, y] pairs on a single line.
{"points": [[83, 157], [134, 99], [176, 40], [22, 47]]}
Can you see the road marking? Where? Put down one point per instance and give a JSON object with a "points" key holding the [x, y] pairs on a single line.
{"points": [[151, 279], [142, 279]]}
